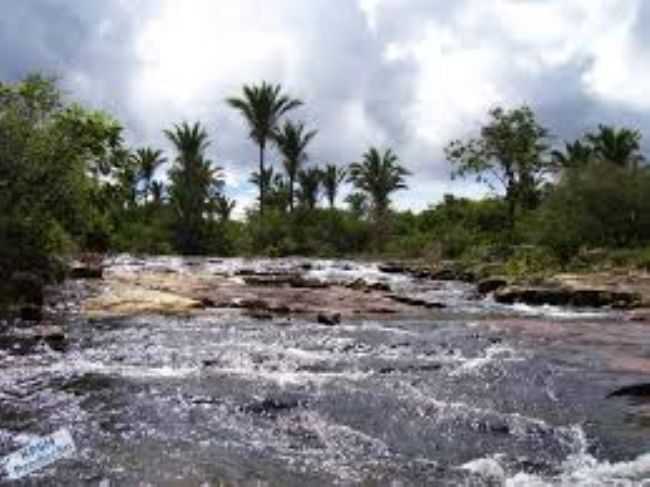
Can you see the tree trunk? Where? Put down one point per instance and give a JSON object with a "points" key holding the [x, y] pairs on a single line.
{"points": [[262, 188], [291, 182]]}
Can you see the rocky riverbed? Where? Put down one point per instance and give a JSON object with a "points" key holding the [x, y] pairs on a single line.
{"points": [[193, 372]]}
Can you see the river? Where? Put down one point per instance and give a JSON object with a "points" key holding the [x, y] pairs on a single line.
{"points": [[474, 394]]}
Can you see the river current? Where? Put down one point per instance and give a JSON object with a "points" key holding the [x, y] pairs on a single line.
{"points": [[474, 394]]}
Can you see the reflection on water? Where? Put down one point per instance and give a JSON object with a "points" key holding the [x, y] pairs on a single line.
{"points": [[469, 395]]}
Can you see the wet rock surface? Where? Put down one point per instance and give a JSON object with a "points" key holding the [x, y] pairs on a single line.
{"points": [[177, 394]]}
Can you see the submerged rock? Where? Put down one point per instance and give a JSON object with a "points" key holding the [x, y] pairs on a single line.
{"points": [[303, 282], [491, 284], [272, 406], [635, 390], [329, 319]]}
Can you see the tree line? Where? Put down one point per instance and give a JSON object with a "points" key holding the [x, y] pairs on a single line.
{"points": [[69, 183]]}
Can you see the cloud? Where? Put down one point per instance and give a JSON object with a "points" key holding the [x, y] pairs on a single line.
{"points": [[406, 74]]}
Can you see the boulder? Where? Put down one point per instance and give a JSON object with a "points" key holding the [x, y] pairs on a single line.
{"points": [[329, 319], [491, 284]]}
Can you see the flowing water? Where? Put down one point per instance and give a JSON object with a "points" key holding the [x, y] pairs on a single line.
{"points": [[475, 394]]}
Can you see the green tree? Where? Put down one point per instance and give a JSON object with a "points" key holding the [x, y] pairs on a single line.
{"points": [[309, 181], [379, 176], [292, 140], [224, 207], [262, 107], [195, 181], [358, 204], [333, 176], [621, 147], [147, 160], [510, 152], [574, 154]]}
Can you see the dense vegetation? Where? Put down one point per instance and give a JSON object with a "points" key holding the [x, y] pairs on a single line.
{"points": [[69, 184]]}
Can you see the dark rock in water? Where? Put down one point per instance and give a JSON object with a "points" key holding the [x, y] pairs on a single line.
{"points": [[24, 340], [379, 286], [207, 303], [251, 304], [89, 382], [563, 296], [329, 319], [268, 280], [635, 390], [491, 284], [416, 301], [80, 270], [272, 406], [259, 315], [357, 284], [26, 287], [303, 282], [393, 268], [31, 312]]}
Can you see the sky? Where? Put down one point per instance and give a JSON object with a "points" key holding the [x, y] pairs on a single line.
{"points": [[406, 74]]}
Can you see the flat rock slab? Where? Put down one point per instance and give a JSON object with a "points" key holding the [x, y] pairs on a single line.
{"points": [[158, 292]]}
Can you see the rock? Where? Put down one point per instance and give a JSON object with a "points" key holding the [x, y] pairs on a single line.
{"points": [[259, 315], [639, 315], [303, 282], [26, 287], [268, 280], [272, 406], [24, 340], [207, 303], [393, 268], [251, 304], [416, 301], [30, 312], [635, 390], [491, 284], [357, 284], [329, 319], [379, 286], [81, 270], [565, 296]]}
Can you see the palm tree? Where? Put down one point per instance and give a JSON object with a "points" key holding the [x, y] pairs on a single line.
{"points": [[264, 181], [358, 203], [309, 180], [224, 207], [618, 146], [292, 142], [147, 160], [378, 175], [576, 154], [262, 106], [194, 183], [158, 192], [333, 176]]}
